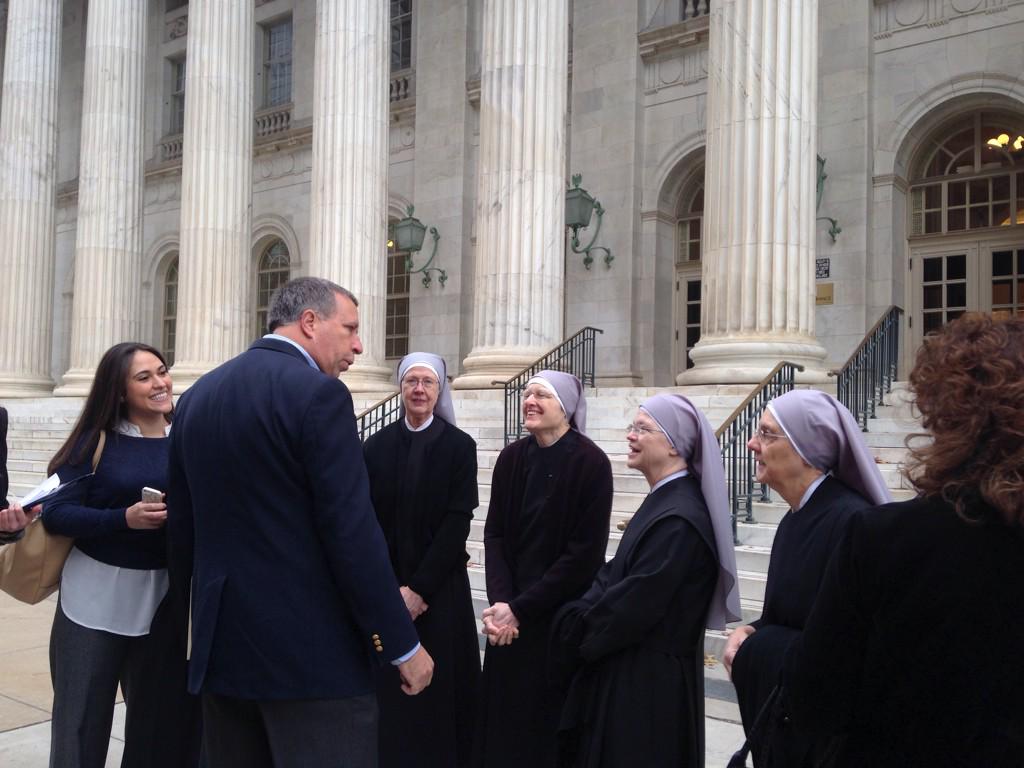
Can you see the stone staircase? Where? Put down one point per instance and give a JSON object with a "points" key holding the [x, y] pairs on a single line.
{"points": [[38, 427]]}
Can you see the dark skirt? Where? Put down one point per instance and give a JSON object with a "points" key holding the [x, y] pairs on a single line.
{"points": [[435, 728]]}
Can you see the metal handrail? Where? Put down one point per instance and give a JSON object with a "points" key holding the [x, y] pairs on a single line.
{"points": [[865, 379], [737, 430], [379, 415], [575, 355]]}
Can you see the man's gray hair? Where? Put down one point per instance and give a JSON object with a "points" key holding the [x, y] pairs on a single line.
{"points": [[294, 297]]}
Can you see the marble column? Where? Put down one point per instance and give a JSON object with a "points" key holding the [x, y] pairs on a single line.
{"points": [[348, 233], [758, 276], [28, 154], [108, 248], [519, 264], [215, 321]]}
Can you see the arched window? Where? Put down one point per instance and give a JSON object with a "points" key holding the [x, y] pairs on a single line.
{"points": [[272, 271], [689, 227], [966, 221], [396, 336], [969, 176], [170, 311], [690, 217]]}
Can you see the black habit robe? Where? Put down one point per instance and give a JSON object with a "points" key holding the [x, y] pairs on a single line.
{"points": [[424, 491], [545, 539], [912, 655], [637, 637], [804, 542]]}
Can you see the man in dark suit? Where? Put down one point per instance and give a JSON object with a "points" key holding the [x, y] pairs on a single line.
{"points": [[293, 599]]}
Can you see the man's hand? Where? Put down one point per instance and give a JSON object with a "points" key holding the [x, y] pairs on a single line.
{"points": [[500, 625], [417, 672], [413, 602], [14, 518], [736, 639]]}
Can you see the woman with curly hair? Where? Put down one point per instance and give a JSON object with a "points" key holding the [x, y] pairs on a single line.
{"points": [[911, 655]]}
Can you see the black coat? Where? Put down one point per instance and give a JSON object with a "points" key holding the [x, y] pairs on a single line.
{"points": [[4, 481], [636, 698], [269, 514], [424, 491], [803, 544], [912, 655], [520, 708]]}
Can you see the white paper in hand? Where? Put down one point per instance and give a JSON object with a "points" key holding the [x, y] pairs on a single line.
{"points": [[50, 487]]}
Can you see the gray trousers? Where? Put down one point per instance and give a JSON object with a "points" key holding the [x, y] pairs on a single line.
{"points": [[86, 666], [324, 733]]}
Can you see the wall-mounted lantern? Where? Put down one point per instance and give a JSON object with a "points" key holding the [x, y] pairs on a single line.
{"points": [[409, 234], [579, 205]]}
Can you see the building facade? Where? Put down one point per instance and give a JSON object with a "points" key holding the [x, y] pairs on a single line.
{"points": [[773, 177]]}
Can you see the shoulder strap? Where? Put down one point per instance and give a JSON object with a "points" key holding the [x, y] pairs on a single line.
{"points": [[99, 449]]}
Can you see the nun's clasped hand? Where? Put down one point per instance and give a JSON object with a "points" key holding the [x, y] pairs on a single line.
{"points": [[415, 604], [500, 625]]}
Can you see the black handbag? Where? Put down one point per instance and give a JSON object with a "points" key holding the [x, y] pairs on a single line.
{"points": [[760, 734]]}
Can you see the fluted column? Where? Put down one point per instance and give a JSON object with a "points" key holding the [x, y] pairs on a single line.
{"points": [[758, 286], [28, 152], [348, 234], [518, 286], [214, 317], [108, 248]]}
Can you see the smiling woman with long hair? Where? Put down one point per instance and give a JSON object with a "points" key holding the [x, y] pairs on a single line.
{"points": [[113, 624], [912, 653]]}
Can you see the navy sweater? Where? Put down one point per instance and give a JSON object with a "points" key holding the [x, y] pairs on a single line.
{"points": [[93, 511]]}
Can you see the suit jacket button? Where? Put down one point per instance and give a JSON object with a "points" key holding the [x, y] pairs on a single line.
{"points": [[376, 637], [380, 649]]}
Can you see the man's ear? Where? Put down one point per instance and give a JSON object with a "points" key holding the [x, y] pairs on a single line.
{"points": [[307, 323]]}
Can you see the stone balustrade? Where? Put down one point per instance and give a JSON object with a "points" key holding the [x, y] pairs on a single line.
{"points": [[274, 120]]}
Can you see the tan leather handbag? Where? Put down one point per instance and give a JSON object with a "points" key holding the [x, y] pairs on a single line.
{"points": [[30, 567]]}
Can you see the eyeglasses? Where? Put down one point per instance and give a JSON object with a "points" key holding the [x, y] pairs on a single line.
{"points": [[427, 383], [765, 436], [537, 393], [640, 429]]}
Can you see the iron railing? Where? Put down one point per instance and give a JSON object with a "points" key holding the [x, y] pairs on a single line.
{"points": [[575, 355], [378, 416], [735, 433], [868, 375]]}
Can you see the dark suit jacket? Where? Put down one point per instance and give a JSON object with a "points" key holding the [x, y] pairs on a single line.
{"points": [[4, 482], [293, 595], [911, 655]]}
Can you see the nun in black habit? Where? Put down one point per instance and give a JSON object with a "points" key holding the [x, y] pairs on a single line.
{"points": [[423, 483], [636, 638], [810, 451], [545, 538]]}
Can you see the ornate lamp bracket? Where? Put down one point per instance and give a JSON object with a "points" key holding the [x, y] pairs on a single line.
{"points": [[579, 206]]}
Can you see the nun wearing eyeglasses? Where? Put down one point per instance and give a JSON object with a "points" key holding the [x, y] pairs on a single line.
{"points": [[636, 638], [544, 540], [809, 450], [422, 472]]}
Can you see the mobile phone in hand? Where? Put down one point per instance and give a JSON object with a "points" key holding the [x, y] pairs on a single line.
{"points": [[152, 495]]}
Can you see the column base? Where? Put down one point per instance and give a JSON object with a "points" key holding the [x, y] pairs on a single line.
{"points": [[748, 359], [490, 368], [14, 386], [76, 383], [369, 377]]}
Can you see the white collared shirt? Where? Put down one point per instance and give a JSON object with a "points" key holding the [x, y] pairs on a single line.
{"points": [[669, 478], [810, 491], [421, 427], [305, 354]]}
